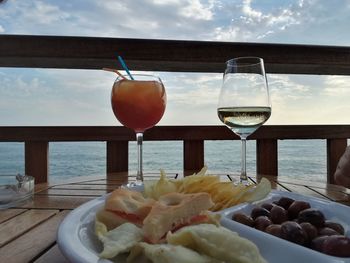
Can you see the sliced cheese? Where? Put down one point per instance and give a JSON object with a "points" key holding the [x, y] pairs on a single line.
{"points": [[165, 253], [119, 240], [216, 242]]}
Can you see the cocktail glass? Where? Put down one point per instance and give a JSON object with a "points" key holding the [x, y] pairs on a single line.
{"points": [[139, 104]]}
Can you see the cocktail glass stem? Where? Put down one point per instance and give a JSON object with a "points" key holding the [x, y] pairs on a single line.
{"points": [[243, 177], [139, 139]]}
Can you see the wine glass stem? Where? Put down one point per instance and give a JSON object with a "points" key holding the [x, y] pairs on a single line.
{"points": [[243, 177], [139, 139]]}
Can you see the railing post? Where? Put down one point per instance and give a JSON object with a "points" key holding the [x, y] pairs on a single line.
{"points": [[193, 154], [267, 157], [36, 160], [335, 149], [117, 156]]}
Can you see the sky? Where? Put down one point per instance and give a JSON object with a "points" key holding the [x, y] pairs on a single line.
{"points": [[82, 97]]}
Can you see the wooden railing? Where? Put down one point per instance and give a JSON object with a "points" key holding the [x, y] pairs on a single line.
{"points": [[37, 143], [174, 56]]}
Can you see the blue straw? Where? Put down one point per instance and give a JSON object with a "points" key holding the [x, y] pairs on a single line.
{"points": [[125, 67]]}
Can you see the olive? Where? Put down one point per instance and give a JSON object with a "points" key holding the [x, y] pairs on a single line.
{"points": [[267, 206], [278, 214], [285, 202], [327, 231], [317, 243], [313, 216], [336, 226], [275, 203], [295, 208], [274, 229], [262, 222], [338, 246], [293, 232], [259, 211], [310, 230], [243, 219]]}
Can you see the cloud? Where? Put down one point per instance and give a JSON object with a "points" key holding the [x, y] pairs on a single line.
{"points": [[2, 29], [195, 9], [300, 99], [288, 96], [196, 90], [181, 19], [27, 16], [286, 86], [250, 24], [43, 13], [25, 86], [317, 22], [249, 12], [309, 21], [81, 80], [337, 86], [225, 20], [50, 97]]}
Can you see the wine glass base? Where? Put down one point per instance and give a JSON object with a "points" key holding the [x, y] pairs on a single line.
{"points": [[242, 182], [136, 185]]}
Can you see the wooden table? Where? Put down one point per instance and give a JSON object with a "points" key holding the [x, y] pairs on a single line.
{"points": [[28, 232]]}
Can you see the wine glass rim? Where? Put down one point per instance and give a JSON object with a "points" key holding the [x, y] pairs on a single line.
{"points": [[259, 60], [127, 77]]}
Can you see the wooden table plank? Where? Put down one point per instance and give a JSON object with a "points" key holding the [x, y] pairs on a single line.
{"points": [[57, 202], [301, 189], [76, 179], [86, 187], [33, 243], [322, 190], [315, 184], [278, 186], [100, 182], [20, 224], [53, 255], [9, 213], [333, 195], [40, 187], [73, 192]]}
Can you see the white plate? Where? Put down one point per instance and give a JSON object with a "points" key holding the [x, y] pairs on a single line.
{"points": [[76, 238], [78, 243]]}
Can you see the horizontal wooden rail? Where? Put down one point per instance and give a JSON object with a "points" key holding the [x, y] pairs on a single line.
{"points": [[168, 133], [36, 143], [167, 55]]}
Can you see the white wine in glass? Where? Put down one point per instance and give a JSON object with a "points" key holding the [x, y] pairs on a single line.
{"points": [[244, 102]]}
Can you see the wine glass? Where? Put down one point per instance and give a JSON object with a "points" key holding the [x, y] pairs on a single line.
{"points": [[138, 104], [244, 102]]}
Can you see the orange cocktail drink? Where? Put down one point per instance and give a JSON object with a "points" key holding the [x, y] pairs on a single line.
{"points": [[138, 104]]}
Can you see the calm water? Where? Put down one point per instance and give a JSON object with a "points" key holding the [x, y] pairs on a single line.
{"points": [[300, 159]]}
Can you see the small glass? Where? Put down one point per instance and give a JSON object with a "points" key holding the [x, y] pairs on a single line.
{"points": [[15, 190]]}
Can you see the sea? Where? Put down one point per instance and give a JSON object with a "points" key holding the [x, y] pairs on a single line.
{"points": [[297, 159]]}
